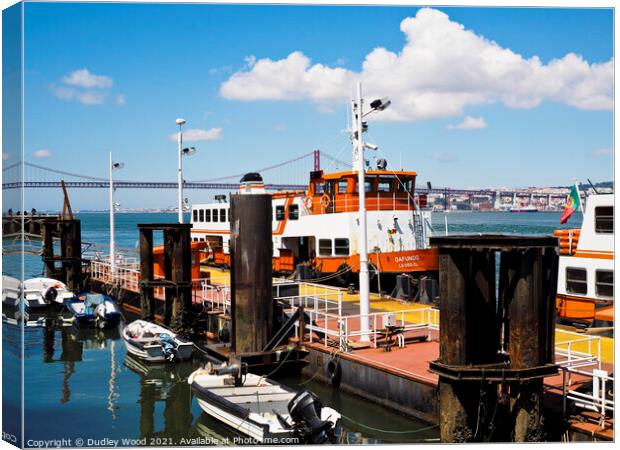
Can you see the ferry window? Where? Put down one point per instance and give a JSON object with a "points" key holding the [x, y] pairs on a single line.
{"points": [[341, 247], [228, 213], [319, 188], [604, 219], [330, 187], [293, 212], [280, 212], [605, 283], [404, 185], [202, 215], [195, 215], [385, 184], [368, 183], [207, 215], [215, 215], [325, 247], [342, 185], [576, 280], [222, 215]]}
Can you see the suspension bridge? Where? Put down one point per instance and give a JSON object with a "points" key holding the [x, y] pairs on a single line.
{"points": [[286, 175]]}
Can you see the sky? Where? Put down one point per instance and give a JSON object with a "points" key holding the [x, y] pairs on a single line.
{"points": [[481, 97]]}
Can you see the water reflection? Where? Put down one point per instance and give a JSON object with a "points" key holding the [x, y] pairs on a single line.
{"points": [[164, 384]]}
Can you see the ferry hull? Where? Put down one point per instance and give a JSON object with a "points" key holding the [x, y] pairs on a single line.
{"points": [[409, 261]]}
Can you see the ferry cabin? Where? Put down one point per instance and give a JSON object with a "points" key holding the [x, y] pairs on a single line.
{"points": [[320, 226], [586, 268]]}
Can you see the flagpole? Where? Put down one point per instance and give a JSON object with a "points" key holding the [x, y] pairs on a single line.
{"points": [[579, 195]]}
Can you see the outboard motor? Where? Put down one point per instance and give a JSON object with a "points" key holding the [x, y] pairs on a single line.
{"points": [[51, 294], [238, 371], [305, 411]]}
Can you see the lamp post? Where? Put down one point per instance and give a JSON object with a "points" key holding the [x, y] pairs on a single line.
{"points": [[181, 152], [180, 122], [113, 166], [364, 278]]}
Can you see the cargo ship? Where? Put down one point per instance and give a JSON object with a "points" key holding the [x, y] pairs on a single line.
{"points": [[585, 294], [315, 231]]}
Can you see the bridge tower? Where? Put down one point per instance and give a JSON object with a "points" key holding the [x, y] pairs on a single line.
{"points": [[317, 160], [514, 199]]}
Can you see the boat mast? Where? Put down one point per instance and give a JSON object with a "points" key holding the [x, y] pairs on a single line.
{"points": [[358, 159]]}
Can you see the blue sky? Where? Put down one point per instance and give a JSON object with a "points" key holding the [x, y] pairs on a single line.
{"points": [[101, 77]]}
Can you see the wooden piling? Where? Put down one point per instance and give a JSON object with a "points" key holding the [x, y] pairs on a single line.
{"points": [[147, 299], [251, 252]]}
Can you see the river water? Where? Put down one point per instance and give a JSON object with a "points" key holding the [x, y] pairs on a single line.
{"points": [[83, 385]]}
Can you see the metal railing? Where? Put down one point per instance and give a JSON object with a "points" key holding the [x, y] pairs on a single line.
{"points": [[217, 296], [600, 400], [578, 350]]}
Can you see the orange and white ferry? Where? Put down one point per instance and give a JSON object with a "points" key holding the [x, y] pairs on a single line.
{"points": [[585, 293], [316, 230]]}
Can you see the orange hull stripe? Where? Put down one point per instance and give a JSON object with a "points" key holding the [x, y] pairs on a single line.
{"points": [[593, 255]]}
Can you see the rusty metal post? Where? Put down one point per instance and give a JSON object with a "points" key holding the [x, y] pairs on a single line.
{"points": [[147, 299], [48, 249], [71, 242], [251, 252], [180, 260], [467, 283], [486, 343], [530, 336], [169, 293]]}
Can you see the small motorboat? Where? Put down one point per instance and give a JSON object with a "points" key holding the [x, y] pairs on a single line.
{"points": [[154, 343], [94, 310], [262, 409], [11, 291], [44, 292]]}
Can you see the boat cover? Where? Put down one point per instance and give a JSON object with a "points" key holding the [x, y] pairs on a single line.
{"points": [[91, 303], [167, 345]]}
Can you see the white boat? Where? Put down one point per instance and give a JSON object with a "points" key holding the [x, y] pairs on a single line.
{"points": [[585, 293], [11, 291], [154, 343], [262, 409], [315, 231], [44, 292], [523, 209]]}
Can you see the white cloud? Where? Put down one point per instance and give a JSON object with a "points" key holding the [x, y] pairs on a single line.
{"points": [[442, 157], [196, 134], [85, 87], [84, 97], [280, 127], [84, 78], [441, 69], [42, 153], [602, 152], [6, 156], [91, 97], [470, 123]]}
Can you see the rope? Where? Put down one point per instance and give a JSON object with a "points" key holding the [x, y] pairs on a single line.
{"points": [[379, 430], [333, 353], [290, 352]]}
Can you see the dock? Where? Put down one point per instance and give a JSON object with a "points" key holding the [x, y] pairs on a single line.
{"points": [[389, 364]]}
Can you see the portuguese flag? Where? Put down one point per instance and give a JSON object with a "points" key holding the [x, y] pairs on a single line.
{"points": [[571, 205]]}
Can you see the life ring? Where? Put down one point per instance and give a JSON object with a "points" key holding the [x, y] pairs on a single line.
{"points": [[325, 201], [308, 202]]}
